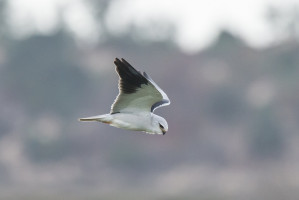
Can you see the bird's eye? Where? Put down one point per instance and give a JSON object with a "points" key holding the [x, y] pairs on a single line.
{"points": [[161, 126]]}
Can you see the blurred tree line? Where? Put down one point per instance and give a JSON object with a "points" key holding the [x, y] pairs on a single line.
{"points": [[47, 74]]}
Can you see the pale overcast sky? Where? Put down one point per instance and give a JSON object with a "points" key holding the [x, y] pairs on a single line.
{"points": [[197, 21]]}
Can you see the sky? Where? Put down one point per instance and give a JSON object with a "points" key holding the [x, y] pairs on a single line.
{"points": [[197, 22]]}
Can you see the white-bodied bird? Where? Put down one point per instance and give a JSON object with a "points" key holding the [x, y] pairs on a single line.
{"points": [[138, 97]]}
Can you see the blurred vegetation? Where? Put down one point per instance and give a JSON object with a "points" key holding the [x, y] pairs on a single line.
{"points": [[3, 28], [267, 139], [230, 103], [42, 74]]}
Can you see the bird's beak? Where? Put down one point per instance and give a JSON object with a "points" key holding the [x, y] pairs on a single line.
{"points": [[163, 131]]}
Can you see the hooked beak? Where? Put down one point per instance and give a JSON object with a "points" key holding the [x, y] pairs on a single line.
{"points": [[163, 131]]}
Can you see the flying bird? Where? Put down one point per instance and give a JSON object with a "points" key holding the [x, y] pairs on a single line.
{"points": [[138, 97]]}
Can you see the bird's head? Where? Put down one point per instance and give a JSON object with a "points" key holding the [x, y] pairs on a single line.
{"points": [[160, 124]]}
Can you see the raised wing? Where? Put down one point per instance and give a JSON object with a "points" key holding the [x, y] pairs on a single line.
{"points": [[137, 92], [164, 101]]}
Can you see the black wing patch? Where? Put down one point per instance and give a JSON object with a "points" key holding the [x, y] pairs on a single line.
{"points": [[130, 78], [158, 104]]}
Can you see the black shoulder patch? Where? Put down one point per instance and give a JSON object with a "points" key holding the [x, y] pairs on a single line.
{"points": [[158, 104], [130, 78]]}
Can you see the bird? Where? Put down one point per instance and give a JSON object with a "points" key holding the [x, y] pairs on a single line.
{"points": [[133, 108]]}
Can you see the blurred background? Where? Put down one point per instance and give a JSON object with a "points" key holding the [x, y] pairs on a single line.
{"points": [[229, 67]]}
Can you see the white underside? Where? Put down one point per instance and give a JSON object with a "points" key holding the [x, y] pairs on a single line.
{"points": [[139, 122], [130, 121]]}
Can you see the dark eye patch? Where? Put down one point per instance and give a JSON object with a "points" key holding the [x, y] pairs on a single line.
{"points": [[161, 126]]}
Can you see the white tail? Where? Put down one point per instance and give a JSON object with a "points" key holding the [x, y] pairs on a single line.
{"points": [[100, 118]]}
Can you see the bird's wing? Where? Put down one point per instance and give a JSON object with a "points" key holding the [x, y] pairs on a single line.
{"points": [[137, 92]]}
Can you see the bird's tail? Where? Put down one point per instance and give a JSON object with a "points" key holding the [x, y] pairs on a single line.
{"points": [[100, 118]]}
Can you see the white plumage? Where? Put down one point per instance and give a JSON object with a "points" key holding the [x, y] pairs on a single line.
{"points": [[138, 97]]}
